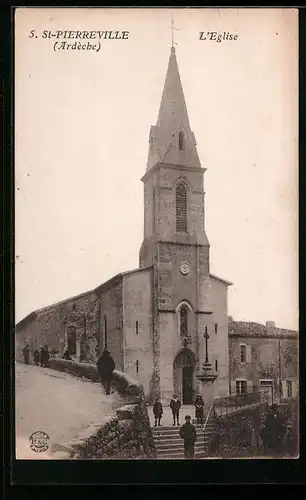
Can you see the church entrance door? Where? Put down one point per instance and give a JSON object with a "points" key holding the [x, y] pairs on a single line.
{"points": [[187, 376], [184, 376]]}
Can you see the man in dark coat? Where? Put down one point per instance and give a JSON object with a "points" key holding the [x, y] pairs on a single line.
{"points": [[36, 357], [26, 354], [175, 405], [188, 433], [44, 356], [157, 411], [273, 432], [106, 366]]}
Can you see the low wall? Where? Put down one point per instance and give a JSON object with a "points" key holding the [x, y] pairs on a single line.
{"points": [[238, 434], [126, 434]]}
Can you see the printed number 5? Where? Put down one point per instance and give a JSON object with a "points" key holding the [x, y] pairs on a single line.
{"points": [[32, 33]]}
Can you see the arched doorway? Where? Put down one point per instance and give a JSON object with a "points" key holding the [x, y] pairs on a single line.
{"points": [[184, 374]]}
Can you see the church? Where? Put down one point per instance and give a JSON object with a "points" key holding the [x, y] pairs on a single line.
{"points": [[166, 322]]}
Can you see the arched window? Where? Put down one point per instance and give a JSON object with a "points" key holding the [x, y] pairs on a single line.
{"points": [[181, 208], [184, 321], [181, 141], [71, 339]]}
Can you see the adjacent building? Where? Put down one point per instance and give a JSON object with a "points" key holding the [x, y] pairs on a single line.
{"points": [[263, 358]]}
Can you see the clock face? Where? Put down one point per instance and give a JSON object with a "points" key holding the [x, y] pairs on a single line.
{"points": [[185, 268]]}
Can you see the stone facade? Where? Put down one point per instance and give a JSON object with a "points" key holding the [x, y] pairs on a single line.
{"points": [[263, 356]]}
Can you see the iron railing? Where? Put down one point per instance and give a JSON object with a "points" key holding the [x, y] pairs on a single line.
{"points": [[233, 403], [209, 414]]}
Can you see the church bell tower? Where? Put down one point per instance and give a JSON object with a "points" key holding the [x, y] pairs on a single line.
{"points": [[175, 244]]}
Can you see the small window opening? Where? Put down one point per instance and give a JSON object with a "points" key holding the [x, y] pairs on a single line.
{"points": [[181, 141], [243, 353]]}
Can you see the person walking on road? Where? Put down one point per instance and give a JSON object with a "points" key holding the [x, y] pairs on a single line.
{"points": [[106, 366], [175, 405], [26, 354], [36, 357], [188, 433]]}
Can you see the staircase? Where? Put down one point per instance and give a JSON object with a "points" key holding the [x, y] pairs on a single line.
{"points": [[169, 444]]}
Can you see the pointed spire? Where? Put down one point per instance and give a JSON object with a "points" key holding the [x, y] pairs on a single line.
{"points": [[171, 140]]}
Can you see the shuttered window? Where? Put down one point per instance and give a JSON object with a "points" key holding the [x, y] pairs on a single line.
{"points": [[181, 209], [241, 387], [243, 353]]}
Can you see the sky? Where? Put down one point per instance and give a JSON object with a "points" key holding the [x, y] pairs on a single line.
{"points": [[82, 122]]}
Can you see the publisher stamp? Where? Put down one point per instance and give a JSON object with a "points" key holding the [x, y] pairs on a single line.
{"points": [[39, 441]]}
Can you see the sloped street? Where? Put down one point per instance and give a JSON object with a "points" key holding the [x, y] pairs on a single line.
{"points": [[56, 403]]}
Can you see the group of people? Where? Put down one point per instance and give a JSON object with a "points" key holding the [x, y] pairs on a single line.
{"points": [[175, 405], [40, 357], [274, 432], [187, 431]]}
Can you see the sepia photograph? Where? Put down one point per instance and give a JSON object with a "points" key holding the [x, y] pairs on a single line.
{"points": [[156, 233]]}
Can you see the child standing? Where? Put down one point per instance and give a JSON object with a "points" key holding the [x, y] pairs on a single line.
{"points": [[175, 405]]}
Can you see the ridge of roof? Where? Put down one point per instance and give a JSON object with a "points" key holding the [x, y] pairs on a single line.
{"points": [[252, 328]]}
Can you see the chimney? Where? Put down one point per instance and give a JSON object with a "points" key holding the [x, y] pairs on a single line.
{"points": [[270, 324], [230, 319]]}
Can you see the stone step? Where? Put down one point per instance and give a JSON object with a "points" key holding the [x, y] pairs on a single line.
{"points": [[178, 439], [173, 428], [180, 456], [175, 432], [178, 446], [200, 439], [177, 436]]}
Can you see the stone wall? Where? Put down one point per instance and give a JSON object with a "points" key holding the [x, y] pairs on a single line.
{"points": [[137, 307], [126, 434], [238, 435], [48, 326]]}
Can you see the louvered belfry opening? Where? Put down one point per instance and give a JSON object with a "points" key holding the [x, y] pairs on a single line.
{"points": [[181, 209]]}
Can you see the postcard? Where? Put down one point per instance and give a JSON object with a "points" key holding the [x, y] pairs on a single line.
{"points": [[156, 230]]}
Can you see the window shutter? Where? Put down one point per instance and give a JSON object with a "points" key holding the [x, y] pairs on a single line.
{"points": [[249, 386], [284, 389], [233, 388], [294, 389], [249, 354]]}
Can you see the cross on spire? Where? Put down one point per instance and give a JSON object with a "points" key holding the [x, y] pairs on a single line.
{"points": [[172, 33]]}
